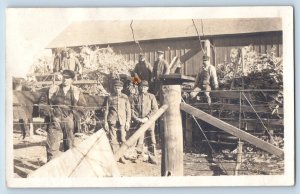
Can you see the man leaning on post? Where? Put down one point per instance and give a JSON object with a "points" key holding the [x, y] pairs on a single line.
{"points": [[117, 117], [63, 105]]}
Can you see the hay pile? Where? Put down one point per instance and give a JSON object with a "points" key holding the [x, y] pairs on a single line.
{"points": [[261, 71]]}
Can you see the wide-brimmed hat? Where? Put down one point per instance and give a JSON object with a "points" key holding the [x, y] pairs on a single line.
{"points": [[68, 74], [160, 52]]}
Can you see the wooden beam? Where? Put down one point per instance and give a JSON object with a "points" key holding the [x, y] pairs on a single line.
{"points": [[232, 130], [195, 48], [132, 139]]}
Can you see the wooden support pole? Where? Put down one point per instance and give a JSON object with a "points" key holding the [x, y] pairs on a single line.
{"points": [[189, 131], [207, 48], [132, 139], [239, 158], [172, 135], [232, 130]]}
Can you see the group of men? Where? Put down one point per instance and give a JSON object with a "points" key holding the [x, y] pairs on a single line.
{"points": [[66, 60], [65, 105]]}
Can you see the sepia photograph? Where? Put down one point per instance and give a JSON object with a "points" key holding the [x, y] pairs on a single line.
{"points": [[150, 97]]}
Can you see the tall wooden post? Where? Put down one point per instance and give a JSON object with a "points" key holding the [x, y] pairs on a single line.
{"points": [[207, 48], [172, 150], [172, 134]]}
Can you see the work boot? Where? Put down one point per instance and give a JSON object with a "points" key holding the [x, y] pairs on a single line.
{"points": [[123, 160]]}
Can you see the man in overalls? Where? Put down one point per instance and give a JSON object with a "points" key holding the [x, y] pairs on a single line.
{"points": [[65, 104], [205, 80]]}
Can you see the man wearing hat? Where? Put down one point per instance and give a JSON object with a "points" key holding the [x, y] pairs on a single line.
{"points": [[143, 107], [205, 80], [160, 67], [65, 105], [143, 69], [117, 117]]}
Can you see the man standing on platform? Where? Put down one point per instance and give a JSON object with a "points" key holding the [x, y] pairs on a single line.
{"points": [[117, 117], [205, 80], [143, 107], [143, 69], [161, 67], [71, 62], [64, 104]]}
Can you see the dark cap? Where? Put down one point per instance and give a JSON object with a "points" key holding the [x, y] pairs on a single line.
{"points": [[68, 74], [141, 55], [160, 52], [118, 83], [205, 58], [144, 83]]}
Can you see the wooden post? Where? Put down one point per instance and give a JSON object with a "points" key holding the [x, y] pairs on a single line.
{"points": [[238, 158], [207, 48], [171, 132], [172, 135]]}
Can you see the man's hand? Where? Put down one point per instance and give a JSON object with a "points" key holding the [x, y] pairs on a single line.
{"points": [[144, 120], [127, 126]]}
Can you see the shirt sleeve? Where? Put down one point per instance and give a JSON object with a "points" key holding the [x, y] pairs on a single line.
{"points": [[154, 106], [134, 113], [128, 110], [166, 68]]}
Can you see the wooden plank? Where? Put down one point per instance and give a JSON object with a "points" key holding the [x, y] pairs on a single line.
{"points": [[260, 108], [228, 94], [91, 158], [132, 139], [271, 122], [232, 130]]}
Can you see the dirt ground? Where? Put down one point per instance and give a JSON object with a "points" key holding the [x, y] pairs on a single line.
{"points": [[30, 154]]}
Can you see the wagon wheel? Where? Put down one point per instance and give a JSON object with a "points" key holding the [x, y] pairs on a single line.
{"points": [[87, 122]]}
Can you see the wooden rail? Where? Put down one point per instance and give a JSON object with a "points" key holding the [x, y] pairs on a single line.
{"points": [[232, 130]]}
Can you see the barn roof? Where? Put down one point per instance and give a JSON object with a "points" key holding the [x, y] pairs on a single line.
{"points": [[118, 31]]}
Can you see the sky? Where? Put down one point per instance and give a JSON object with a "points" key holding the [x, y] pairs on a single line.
{"points": [[29, 31]]}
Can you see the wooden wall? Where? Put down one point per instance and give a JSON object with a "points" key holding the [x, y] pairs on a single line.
{"points": [[219, 53]]}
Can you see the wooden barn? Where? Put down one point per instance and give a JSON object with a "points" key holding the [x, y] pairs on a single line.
{"points": [[175, 38]]}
